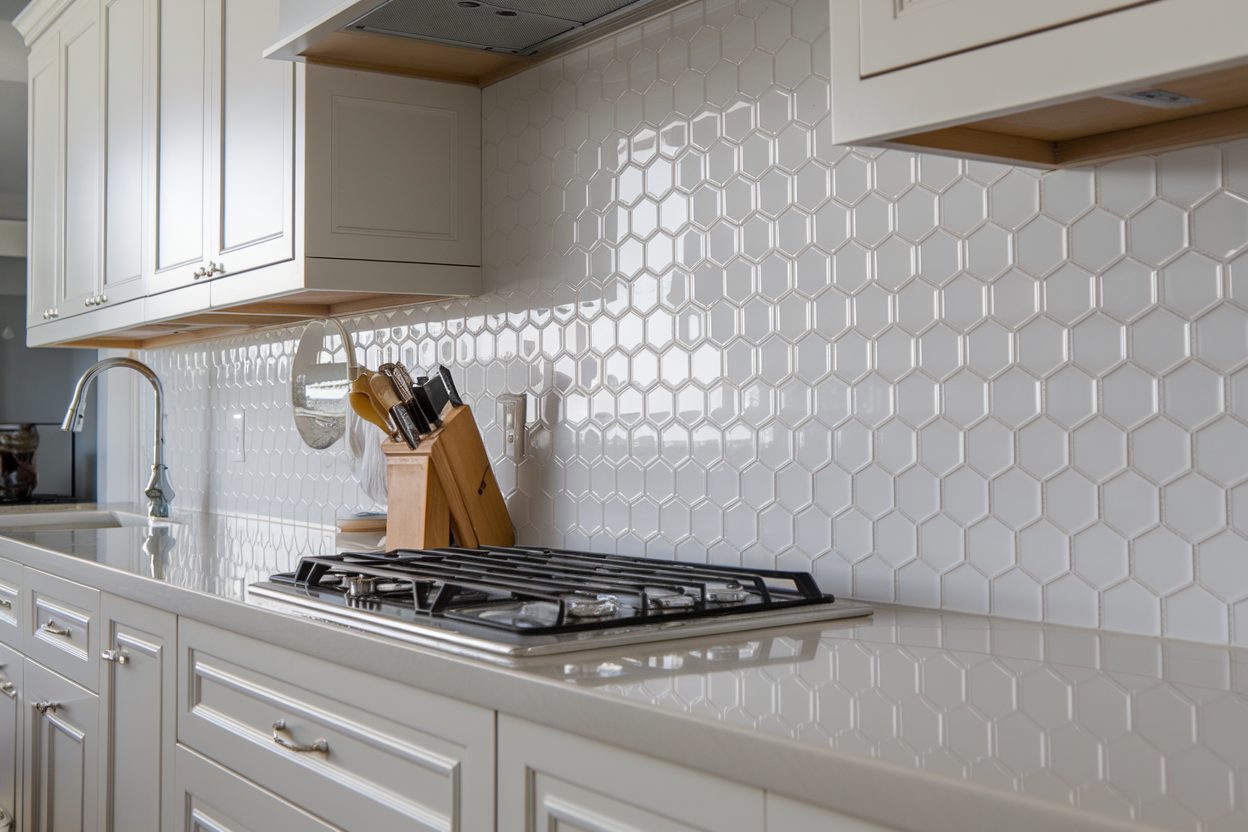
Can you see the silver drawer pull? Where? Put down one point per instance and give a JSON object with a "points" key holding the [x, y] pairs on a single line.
{"points": [[53, 629], [47, 707], [5, 603], [10, 690], [279, 736], [118, 656], [6, 820]]}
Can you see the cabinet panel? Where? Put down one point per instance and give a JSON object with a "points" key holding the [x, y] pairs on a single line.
{"points": [[356, 750], [60, 766], [785, 815], [393, 168], [212, 799], [10, 736], [126, 57], [43, 177], [548, 779], [253, 133], [181, 144], [10, 603], [61, 618], [80, 244], [896, 33], [138, 686]]}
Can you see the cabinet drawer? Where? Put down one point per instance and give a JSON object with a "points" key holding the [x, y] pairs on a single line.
{"points": [[358, 751], [551, 780], [211, 799], [10, 603], [60, 620]]}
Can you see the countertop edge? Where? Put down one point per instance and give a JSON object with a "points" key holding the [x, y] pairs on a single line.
{"points": [[861, 787]]}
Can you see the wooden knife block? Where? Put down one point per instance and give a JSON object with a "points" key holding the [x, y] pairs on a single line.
{"points": [[446, 484]]}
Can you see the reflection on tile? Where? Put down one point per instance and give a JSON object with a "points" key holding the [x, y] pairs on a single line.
{"points": [[1003, 390]]}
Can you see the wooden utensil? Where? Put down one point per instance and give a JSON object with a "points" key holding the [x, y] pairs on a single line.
{"points": [[361, 401]]}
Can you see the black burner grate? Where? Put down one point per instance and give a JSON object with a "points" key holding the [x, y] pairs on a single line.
{"points": [[473, 584]]}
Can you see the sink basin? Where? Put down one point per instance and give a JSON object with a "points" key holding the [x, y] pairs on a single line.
{"points": [[70, 520]]}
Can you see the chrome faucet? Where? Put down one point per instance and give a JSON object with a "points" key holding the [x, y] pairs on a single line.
{"points": [[159, 492]]}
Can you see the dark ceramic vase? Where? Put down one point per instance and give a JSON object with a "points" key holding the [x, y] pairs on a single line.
{"points": [[18, 476]]}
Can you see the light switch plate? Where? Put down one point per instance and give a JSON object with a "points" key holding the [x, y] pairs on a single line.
{"points": [[512, 417], [236, 430]]}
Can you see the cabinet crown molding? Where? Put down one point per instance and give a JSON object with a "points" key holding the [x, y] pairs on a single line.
{"points": [[37, 17]]}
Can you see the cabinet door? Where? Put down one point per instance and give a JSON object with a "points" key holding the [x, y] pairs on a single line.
{"points": [[181, 145], [393, 168], [60, 771], [252, 168], [127, 74], [213, 799], [43, 177], [896, 33], [81, 142], [559, 782], [137, 690], [10, 736]]}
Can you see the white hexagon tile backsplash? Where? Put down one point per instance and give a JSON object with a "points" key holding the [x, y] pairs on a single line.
{"points": [[944, 383]]}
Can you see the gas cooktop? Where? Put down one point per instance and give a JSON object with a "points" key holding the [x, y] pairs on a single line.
{"points": [[513, 602]]}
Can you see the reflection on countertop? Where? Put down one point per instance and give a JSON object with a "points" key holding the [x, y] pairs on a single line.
{"points": [[1139, 729], [214, 554], [1145, 731]]}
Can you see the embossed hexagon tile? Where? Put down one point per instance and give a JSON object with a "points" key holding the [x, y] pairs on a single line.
{"points": [[938, 382]]}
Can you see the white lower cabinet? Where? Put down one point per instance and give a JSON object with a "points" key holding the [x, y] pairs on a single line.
{"points": [[10, 737], [60, 774], [554, 781], [138, 685], [360, 752], [213, 799]]}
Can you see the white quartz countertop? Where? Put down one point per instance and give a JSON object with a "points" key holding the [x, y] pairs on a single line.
{"points": [[913, 719]]}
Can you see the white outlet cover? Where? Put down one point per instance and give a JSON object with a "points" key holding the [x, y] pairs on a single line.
{"points": [[236, 436]]}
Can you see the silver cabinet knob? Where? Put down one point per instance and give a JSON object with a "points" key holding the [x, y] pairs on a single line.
{"points": [[279, 736], [117, 656], [47, 707], [200, 272], [215, 268], [9, 690], [6, 604]]}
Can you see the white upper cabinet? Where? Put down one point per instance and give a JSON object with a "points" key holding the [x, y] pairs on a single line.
{"points": [[127, 34], [192, 185], [43, 178], [1066, 82], [897, 33], [181, 144]]}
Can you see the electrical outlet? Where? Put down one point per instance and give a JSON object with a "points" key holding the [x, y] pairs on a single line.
{"points": [[512, 406], [236, 432]]}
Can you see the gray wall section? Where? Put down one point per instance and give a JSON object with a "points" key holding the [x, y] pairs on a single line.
{"points": [[35, 385]]}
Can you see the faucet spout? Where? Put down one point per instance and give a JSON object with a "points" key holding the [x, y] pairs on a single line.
{"points": [[159, 492]]}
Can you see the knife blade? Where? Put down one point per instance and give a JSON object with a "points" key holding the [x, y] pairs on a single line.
{"points": [[439, 398]]}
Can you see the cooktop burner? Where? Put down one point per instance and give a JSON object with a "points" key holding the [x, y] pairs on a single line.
{"points": [[527, 601]]}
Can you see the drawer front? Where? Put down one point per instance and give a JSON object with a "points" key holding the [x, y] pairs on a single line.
{"points": [[358, 751], [10, 603], [211, 799], [897, 33], [554, 781], [59, 630]]}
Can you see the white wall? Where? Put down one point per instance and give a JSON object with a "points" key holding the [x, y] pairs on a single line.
{"points": [[946, 384]]}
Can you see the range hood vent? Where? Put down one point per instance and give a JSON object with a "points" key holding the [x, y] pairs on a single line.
{"points": [[517, 27]]}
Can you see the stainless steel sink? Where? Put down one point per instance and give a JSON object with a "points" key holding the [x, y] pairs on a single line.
{"points": [[70, 520]]}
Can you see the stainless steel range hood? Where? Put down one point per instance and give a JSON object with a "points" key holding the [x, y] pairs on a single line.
{"points": [[446, 38]]}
